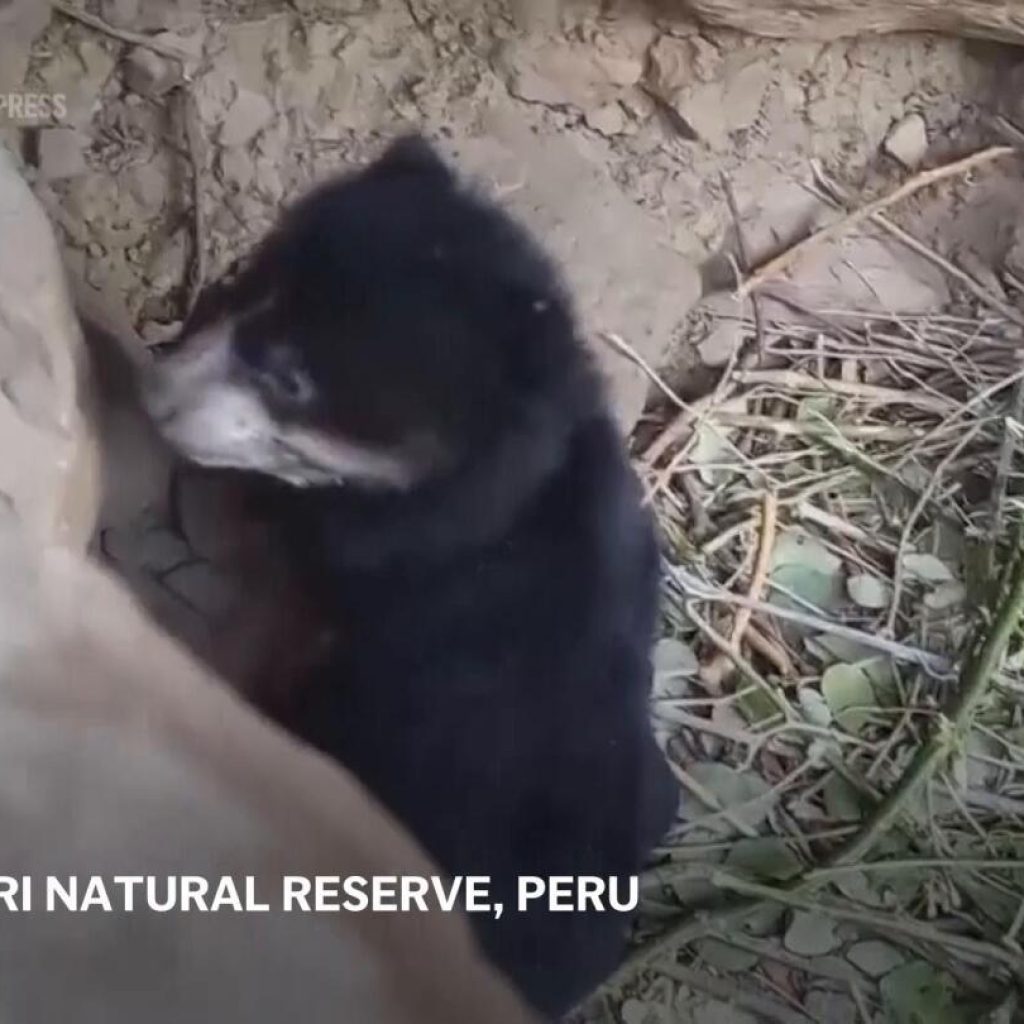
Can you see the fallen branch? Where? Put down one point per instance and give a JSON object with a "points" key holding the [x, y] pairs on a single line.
{"points": [[713, 674], [980, 667], [794, 380], [775, 267]]}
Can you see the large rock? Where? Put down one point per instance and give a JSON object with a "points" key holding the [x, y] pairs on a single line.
{"points": [[122, 757], [625, 277], [829, 19], [49, 469]]}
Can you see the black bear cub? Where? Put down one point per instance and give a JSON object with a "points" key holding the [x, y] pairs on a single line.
{"points": [[456, 497]]}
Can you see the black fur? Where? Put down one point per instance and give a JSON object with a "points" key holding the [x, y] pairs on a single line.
{"points": [[493, 690]]}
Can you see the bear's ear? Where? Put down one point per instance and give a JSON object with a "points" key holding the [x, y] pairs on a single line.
{"points": [[412, 154]]}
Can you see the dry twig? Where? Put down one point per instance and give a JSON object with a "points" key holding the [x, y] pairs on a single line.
{"points": [[776, 266]]}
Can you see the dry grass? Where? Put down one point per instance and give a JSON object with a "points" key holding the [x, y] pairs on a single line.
{"points": [[840, 685]]}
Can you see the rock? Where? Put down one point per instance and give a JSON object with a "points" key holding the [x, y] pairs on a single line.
{"points": [[247, 116], [149, 74], [166, 269], [49, 475], [718, 347], [626, 278], [907, 141], [122, 755], [711, 108], [678, 62], [62, 153], [831, 19], [608, 120], [557, 73], [867, 274]]}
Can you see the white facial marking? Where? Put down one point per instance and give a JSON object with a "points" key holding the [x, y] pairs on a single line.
{"points": [[218, 421]]}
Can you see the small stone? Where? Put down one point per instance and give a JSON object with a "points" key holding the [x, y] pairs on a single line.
{"points": [[166, 269], [250, 113], [707, 58], [62, 153], [907, 141], [608, 120], [149, 74], [670, 66], [720, 345]]}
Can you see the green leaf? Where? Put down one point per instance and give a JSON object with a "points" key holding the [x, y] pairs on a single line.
{"points": [[757, 707], [882, 673], [674, 664], [875, 958], [869, 591], [815, 407], [673, 657], [926, 568], [811, 934], [847, 690], [713, 1011], [859, 887], [767, 858], [945, 596], [918, 994], [829, 648], [725, 957], [842, 801], [710, 448], [745, 794], [814, 707], [766, 921], [804, 567], [831, 1007], [635, 1011]]}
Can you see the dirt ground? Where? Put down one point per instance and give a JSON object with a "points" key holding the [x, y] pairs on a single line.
{"points": [[637, 148]]}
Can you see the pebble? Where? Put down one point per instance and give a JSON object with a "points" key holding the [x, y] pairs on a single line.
{"points": [[907, 141], [149, 74]]}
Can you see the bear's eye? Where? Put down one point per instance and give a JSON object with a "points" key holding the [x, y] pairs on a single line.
{"points": [[287, 385]]}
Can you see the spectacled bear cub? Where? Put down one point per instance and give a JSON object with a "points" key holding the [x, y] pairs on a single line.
{"points": [[402, 354]]}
